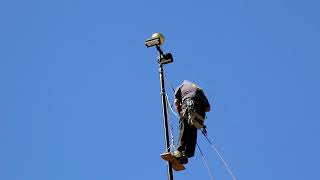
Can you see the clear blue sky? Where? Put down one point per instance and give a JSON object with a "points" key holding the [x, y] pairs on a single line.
{"points": [[79, 96]]}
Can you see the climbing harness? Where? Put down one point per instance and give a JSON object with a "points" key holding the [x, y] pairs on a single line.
{"points": [[190, 114]]}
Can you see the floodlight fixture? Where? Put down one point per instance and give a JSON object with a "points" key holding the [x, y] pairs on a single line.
{"points": [[157, 39], [165, 58]]}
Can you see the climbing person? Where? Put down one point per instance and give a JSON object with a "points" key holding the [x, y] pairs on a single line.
{"points": [[192, 104]]}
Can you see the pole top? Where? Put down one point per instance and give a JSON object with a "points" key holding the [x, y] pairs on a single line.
{"points": [[160, 36]]}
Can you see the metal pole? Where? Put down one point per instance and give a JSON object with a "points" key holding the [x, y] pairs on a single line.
{"points": [[165, 118]]}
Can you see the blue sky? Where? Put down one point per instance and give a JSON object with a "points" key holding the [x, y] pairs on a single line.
{"points": [[79, 96]]}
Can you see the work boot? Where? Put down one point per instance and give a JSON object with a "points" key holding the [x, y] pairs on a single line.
{"points": [[180, 156]]}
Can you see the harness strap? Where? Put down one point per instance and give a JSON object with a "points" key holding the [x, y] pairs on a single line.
{"points": [[190, 114]]}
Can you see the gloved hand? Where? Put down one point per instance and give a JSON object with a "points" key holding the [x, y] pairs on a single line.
{"points": [[204, 130]]}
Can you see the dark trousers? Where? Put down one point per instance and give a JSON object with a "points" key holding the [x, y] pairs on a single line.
{"points": [[187, 138]]}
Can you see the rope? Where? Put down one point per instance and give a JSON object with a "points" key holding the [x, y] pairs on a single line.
{"points": [[170, 106], [205, 162], [170, 83], [220, 156], [170, 124]]}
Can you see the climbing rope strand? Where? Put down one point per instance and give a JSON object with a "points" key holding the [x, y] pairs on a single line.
{"points": [[205, 162], [170, 124], [173, 112], [169, 83], [220, 156], [170, 106]]}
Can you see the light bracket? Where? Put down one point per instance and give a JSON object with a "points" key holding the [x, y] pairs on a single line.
{"points": [[153, 41], [165, 59]]}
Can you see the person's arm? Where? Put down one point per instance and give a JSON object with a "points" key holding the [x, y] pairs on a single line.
{"points": [[207, 104], [177, 100], [177, 105], [207, 109]]}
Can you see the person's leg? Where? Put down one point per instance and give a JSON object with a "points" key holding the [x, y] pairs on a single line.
{"points": [[191, 141], [180, 152], [182, 136]]}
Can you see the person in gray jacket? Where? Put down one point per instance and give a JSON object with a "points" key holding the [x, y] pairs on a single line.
{"points": [[191, 104]]}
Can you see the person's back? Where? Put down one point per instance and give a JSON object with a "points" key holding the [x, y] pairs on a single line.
{"points": [[188, 90]]}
